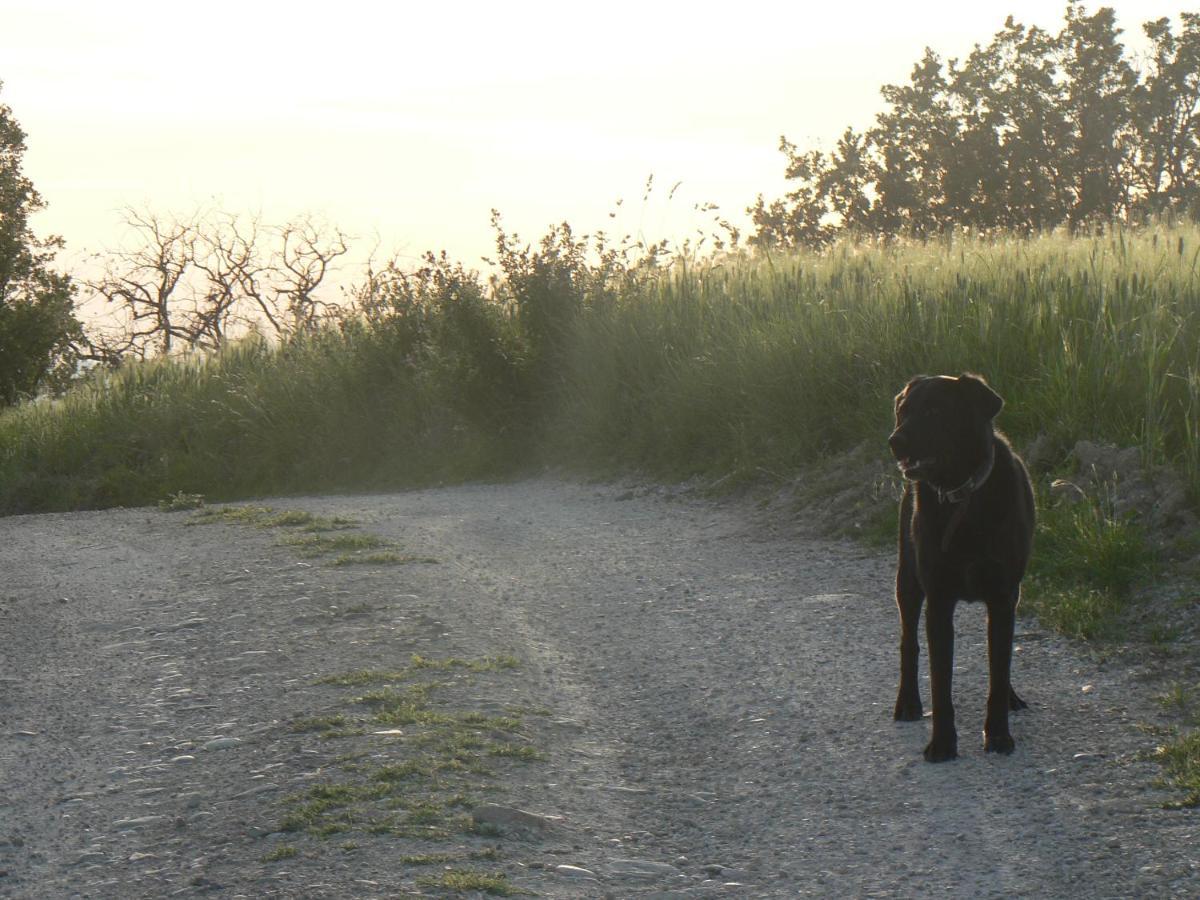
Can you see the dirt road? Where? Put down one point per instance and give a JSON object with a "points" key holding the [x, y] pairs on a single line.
{"points": [[689, 696]]}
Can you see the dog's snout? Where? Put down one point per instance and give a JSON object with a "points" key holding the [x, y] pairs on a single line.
{"points": [[898, 444]]}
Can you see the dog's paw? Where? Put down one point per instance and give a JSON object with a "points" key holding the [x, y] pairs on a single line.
{"points": [[1015, 702], [908, 710], [941, 750], [999, 743]]}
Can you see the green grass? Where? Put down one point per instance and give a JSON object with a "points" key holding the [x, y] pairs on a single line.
{"points": [[311, 536], [181, 500], [1086, 563], [379, 558], [1181, 759], [463, 880], [281, 853], [420, 783], [312, 545], [730, 369], [733, 366]]}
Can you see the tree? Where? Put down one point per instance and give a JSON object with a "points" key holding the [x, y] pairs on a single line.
{"points": [[1014, 108], [1100, 86], [1167, 119], [38, 327], [189, 284], [1031, 131]]}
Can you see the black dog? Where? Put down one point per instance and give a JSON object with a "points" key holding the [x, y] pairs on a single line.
{"points": [[966, 530]]}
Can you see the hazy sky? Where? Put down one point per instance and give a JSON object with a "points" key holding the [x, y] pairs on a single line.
{"points": [[408, 122]]}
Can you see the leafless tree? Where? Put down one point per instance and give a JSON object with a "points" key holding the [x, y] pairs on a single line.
{"points": [[193, 283], [143, 282], [307, 251], [231, 270]]}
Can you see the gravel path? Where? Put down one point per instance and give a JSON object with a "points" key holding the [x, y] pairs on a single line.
{"points": [[708, 690]]}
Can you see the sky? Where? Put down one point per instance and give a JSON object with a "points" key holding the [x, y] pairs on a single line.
{"points": [[404, 124]]}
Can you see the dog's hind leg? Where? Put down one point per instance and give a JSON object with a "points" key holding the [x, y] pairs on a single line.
{"points": [[1015, 702], [1001, 697], [909, 597]]}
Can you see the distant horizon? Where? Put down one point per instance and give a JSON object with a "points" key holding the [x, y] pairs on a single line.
{"points": [[410, 127]]}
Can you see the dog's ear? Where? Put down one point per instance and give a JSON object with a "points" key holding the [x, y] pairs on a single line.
{"points": [[912, 382], [983, 397]]}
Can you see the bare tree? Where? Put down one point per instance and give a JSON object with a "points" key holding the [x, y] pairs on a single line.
{"points": [[307, 250], [143, 283], [229, 262], [193, 283]]}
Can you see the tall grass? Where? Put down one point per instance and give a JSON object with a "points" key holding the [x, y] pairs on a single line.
{"points": [[339, 410], [722, 366], [766, 363]]}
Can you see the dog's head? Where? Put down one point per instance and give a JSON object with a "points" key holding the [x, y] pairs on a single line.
{"points": [[943, 428]]}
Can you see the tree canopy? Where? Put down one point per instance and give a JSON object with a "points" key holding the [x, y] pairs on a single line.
{"points": [[37, 319], [1031, 131]]}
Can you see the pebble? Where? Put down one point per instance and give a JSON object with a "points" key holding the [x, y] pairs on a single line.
{"points": [[221, 743], [125, 824], [575, 871], [641, 868], [726, 873], [509, 817], [190, 800]]}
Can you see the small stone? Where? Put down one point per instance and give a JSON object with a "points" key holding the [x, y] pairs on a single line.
{"points": [[185, 758], [221, 743], [509, 817], [127, 824], [190, 800], [641, 868], [575, 871]]}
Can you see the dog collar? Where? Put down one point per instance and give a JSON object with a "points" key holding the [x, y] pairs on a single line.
{"points": [[972, 484]]}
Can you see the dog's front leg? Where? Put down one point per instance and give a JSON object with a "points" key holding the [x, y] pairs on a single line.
{"points": [[1000, 622], [939, 635], [909, 598]]}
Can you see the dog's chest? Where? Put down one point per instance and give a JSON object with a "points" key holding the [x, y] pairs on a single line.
{"points": [[960, 556]]}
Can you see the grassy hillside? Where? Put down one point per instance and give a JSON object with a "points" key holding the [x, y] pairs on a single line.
{"points": [[767, 364], [712, 367], [728, 368]]}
